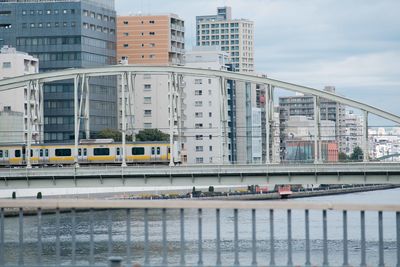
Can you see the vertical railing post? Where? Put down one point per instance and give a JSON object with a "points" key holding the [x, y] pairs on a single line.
{"points": [[2, 236], [21, 237], [254, 238], [200, 245], [267, 124], [236, 236], [128, 236], [307, 232], [345, 245], [363, 253], [271, 238], [325, 237], [289, 240], [380, 227], [73, 236], [398, 237], [146, 237], [164, 237], [218, 245], [171, 87], [182, 218]]}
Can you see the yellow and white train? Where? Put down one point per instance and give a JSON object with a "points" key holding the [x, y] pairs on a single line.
{"points": [[103, 151]]}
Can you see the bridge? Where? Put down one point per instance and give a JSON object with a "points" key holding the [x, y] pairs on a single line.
{"points": [[200, 175], [222, 173]]}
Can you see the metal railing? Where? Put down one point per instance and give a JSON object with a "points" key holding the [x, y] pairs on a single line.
{"points": [[197, 233]]}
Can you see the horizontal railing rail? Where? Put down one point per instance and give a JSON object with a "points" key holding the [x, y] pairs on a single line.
{"points": [[83, 232]]}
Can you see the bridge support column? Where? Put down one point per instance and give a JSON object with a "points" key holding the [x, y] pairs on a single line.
{"points": [[28, 125], [41, 111], [123, 130], [317, 130], [76, 121], [171, 89], [223, 120], [87, 106], [365, 138], [269, 123], [131, 101]]}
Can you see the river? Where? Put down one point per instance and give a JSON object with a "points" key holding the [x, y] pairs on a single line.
{"points": [[335, 234]]}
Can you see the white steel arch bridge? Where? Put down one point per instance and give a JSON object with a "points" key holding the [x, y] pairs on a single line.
{"points": [[128, 72]]}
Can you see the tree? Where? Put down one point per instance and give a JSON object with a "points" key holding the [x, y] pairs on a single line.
{"points": [[343, 156], [151, 135], [110, 133], [357, 154]]}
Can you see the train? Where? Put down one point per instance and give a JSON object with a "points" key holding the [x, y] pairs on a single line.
{"points": [[96, 151]]}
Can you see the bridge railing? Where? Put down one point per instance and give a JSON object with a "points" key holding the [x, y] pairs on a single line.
{"points": [[187, 233]]}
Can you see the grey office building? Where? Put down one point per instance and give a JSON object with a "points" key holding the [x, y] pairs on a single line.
{"points": [[66, 34]]}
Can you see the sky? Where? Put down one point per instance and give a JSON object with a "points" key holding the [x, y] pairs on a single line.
{"points": [[353, 45]]}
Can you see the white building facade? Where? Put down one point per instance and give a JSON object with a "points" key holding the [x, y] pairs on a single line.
{"points": [[12, 64]]}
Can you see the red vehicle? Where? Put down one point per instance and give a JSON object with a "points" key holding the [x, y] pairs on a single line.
{"points": [[284, 191]]}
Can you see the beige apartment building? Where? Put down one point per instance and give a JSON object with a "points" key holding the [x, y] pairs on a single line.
{"points": [[151, 39], [234, 36]]}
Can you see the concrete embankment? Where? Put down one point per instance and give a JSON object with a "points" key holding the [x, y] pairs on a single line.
{"points": [[237, 197], [307, 193]]}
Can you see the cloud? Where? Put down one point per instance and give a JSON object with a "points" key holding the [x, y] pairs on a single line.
{"points": [[353, 45]]}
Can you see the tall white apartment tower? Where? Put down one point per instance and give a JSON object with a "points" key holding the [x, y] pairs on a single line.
{"points": [[234, 36], [21, 100], [205, 127]]}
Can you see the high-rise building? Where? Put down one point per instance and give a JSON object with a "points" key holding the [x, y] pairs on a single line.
{"points": [[66, 34], [151, 39], [353, 136], [234, 36], [303, 105], [14, 63], [206, 133]]}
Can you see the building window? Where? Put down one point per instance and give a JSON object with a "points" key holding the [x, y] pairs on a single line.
{"points": [[24, 12], [147, 87], [152, 56], [65, 24], [152, 33], [147, 100], [147, 76], [198, 81], [152, 44], [147, 125], [6, 65], [198, 125], [48, 12], [198, 114], [210, 114], [199, 148], [32, 25], [209, 81], [199, 137], [40, 25], [48, 25], [210, 148], [126, 22], [210, 136], [126, 45], [147, 112], [65, 11], [198, 103], [24, 25], [151, 21], [198, 92], [199, 160], [126, 33]]}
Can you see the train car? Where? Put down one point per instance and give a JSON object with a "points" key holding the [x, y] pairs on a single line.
{"points": [[97, 151]]}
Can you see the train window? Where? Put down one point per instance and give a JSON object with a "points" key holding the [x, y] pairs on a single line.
{"points": [[138, 151], [31, 153], [169, 150], [17, 153], [1, 153], [79, 151], [158, 150], [63, 152], [101, 151], [85, 151], [153, 151], [46, 152], [41, 152], [118, 151], [6, 153]]}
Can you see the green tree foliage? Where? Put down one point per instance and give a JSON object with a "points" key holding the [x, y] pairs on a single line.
{"points": [[357, 154], [110, 133], [151, 135], [343, 156]]}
